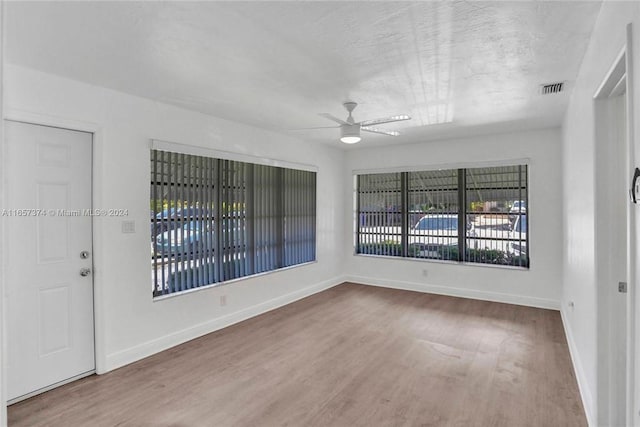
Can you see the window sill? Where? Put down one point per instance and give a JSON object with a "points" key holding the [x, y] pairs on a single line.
{"points": [[440, 261], [229, 282]]}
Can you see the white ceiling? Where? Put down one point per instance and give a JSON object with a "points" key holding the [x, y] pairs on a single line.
{"points": [[458, 68]]}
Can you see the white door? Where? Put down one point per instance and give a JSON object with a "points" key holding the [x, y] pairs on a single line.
{"points": [[49, 302]]}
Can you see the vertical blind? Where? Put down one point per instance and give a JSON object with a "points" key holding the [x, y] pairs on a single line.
{"points": [[214, 220], [474, 215], [496, 208], [434, 203], [379, 203]]}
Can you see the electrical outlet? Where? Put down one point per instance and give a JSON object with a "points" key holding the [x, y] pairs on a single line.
{"points": [[223, 300], [570, 304]]}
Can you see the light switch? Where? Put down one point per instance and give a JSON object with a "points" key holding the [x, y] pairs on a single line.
{"points": [[128, 226]]}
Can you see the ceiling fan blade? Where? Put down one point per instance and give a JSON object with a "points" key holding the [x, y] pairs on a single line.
{"points": [[318, 127], [383, 132], [398, 118], [333, 118]]}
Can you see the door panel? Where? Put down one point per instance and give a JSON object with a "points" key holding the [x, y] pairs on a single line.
{"points": [[49, 304], [55, 325], [52, 231]]}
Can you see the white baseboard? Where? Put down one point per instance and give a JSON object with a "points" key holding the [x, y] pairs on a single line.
{"points": [[138, 352], [458, 292], [585, 392]]}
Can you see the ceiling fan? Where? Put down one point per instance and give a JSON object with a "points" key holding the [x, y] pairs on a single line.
{"points": [[350, 129]]}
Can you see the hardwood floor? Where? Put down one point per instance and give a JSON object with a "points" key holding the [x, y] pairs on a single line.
{"points": [[350, 356]]}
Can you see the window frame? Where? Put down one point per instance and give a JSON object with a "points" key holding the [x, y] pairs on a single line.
{"points": [[462, 211], [221, 156]]}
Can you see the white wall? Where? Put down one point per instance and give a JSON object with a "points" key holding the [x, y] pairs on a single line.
{"points": [[579, 214], [538, 286], [130, 325]]}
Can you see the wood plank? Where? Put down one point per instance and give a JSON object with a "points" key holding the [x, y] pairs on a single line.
{"points": [[353, 355]]}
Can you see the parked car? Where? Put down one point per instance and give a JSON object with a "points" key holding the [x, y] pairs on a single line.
{"points": [[172, 218], [183, 241], [519, 207], [167, 213], [435, 233], [518, 237], [195, 238]]}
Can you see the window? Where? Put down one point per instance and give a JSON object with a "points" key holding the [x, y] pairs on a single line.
{"points": [[214, 220], [380, 199], [433, 216], [476, 215]]}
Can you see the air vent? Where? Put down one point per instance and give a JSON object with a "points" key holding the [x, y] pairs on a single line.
{"points": [[550, 88]]}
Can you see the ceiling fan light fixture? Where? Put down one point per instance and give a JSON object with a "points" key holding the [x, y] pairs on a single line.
{"points": [[350, 129], [350, 139], [350, 134]]}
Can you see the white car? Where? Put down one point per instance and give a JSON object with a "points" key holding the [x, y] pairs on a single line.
{"points": [[518, 237], [435, 234], [519, 207]]}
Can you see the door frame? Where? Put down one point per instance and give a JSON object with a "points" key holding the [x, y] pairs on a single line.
{"points": [[633, 325], [617, 80], [96, 233], [633, 384]]}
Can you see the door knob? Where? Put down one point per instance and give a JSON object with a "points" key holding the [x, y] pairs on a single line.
{"points": [[85, 272]]}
